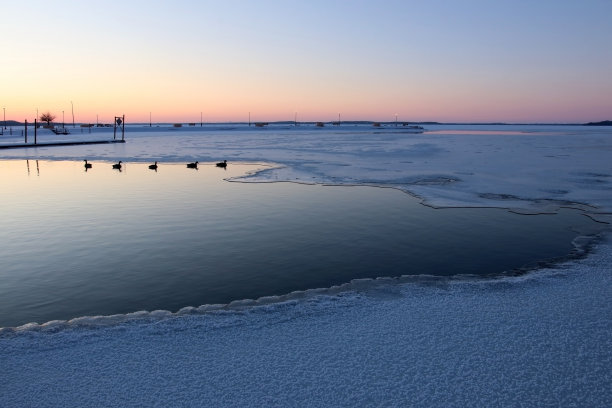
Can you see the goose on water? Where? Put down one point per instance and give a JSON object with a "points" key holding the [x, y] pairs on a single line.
{"points": [[87, 165], [222, 164], [193, 165], [153, 166], [117, 166]]}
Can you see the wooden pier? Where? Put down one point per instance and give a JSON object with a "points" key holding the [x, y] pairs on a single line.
{"points": [[64, 143], [119, 123]]}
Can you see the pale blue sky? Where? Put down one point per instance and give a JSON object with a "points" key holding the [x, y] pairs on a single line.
{"points": [[426, 60]]}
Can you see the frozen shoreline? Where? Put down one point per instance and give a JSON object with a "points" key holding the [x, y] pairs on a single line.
{"points": [[534, 340]]}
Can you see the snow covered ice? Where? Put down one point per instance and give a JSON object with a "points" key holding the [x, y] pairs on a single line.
{"points": [[542, 339], [506, 166], [538, 340]]}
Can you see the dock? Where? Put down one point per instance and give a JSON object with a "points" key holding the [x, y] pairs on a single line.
{"points": [[65, 143]]}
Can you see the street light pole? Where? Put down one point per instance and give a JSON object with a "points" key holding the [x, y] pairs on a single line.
{"points": [[4, 109]]}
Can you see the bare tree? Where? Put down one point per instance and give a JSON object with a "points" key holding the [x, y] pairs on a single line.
{"points": [[47, 117]]}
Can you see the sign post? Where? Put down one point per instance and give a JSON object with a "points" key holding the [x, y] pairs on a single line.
{"points": [[119, 123]]}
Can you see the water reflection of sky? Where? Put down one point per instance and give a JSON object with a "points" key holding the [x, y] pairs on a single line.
{"points": [[104, 241]]}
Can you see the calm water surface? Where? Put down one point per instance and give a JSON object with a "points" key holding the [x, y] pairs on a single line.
{"points": [[102, 241]]}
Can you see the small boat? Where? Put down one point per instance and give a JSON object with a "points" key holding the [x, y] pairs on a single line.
{"points": [[222, 164], [60, 131], [413, 128], [193, 165], [153, 166], [117, 166], [87, 165]]}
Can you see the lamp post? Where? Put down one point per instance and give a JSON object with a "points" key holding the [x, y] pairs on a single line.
{"points": [[396, 120], [4, 109]]}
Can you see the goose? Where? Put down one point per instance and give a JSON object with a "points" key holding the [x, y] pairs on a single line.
{"points": [[193, 165], [153, 166], [117, 166], [87, 165], [222, 164]]}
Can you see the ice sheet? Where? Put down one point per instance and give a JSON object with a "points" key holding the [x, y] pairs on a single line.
{"points": [[523, 167]]}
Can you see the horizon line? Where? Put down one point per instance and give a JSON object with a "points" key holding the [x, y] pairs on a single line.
{"points": [[12, 122]]}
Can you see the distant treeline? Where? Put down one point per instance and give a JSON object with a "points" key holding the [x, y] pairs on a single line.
{"points": [[11, 123], [602, 123]]}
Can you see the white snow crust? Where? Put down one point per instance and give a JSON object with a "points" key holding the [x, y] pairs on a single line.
{"points": [[541, 339]]}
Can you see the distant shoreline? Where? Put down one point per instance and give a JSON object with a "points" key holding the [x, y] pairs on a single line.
{"points": [[348, 122]]}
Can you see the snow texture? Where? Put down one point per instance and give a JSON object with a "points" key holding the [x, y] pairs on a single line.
{"points": [[542, 339], [535, 341]]}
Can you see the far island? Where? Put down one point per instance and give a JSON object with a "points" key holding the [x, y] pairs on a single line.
{"points": [[602, 123]]}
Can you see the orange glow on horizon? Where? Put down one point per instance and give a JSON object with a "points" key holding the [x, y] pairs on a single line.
{"points": [[318, 60]]}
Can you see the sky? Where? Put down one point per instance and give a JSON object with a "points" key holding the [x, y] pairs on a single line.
{"points": [[510, 61]]}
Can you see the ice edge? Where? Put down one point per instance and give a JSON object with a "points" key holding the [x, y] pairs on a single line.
{"points": [[583, 246]]}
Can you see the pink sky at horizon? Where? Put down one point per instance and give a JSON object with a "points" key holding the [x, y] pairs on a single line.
{"points": [[511, 61]]}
